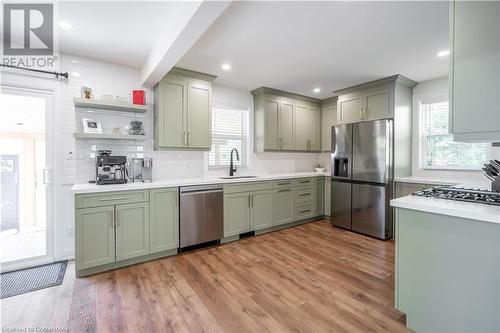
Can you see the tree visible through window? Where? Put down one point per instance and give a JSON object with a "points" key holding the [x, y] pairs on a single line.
{"points": [[229, 130], [438, 148]]}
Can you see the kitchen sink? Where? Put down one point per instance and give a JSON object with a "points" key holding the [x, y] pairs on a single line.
{"points": [[237, 177]]}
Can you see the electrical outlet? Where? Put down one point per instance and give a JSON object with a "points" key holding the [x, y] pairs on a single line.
{"points": [[70, 154], [70, 232]]}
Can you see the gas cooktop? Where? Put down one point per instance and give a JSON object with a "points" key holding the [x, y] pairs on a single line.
{"points": [[461, 194]]}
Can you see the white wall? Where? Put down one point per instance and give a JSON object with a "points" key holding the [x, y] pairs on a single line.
{"points": [[428, 89], [108, 78]]}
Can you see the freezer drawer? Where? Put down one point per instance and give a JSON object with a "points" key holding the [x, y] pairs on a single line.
{"points": [[341, 204], [370, 212]]}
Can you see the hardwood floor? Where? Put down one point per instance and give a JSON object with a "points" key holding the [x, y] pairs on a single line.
{"points": [[309, 278]]}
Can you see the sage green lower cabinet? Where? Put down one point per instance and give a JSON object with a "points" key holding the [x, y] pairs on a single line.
{"points": [[261, 209], [328, 196], [320, 196], [132, 230], [95, 236], [283, 205], [164, 219], [236, 214]]}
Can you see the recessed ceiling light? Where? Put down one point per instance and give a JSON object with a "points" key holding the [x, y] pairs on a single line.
{"points": [[74, 61], [317, 90], [75, 74], [226, 67], [19, 124], [443, 53], [65, 25]]}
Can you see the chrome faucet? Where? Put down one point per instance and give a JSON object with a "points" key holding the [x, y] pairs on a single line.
{"points": [[232, 168]]}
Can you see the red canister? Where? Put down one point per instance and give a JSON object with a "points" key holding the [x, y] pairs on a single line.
{"points": [[138, 97]]}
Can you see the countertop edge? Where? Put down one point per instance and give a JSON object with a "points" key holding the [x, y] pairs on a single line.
{"points": [[93, 188], [470, 211]]}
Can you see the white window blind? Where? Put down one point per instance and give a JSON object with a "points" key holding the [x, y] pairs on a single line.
{"points": [[229, 130], [439, 151]]}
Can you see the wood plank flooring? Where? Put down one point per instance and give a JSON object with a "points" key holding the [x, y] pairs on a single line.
{"points": [[309, 278]]}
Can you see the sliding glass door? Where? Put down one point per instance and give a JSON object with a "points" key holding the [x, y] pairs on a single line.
{"points": [[26, 191]]}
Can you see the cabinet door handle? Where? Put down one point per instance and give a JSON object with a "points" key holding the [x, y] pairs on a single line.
{"points": [[114, 198], [184, 138], [361, 114], [189, 138], [252, 200], [249, 201], [304, 194]]}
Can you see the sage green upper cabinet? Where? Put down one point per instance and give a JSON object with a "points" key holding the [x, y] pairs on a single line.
{"points": [[164, 219], [183, 108], [261, 209], [373, 100], [350, 107], [170, 111], [236, 214], [376, 104], [285, 139], [328, 120], [132, 230], [276, 116], [271, 120], [307, 128], [475, 71], [95, 236]]}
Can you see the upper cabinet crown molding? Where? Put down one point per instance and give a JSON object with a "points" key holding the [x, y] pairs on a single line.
{"points": [[281, 93], [391, 80], [475, 71], [191, 74]]}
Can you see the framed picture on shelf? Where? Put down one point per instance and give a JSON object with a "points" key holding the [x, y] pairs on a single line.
{"points": [[92, 126]]}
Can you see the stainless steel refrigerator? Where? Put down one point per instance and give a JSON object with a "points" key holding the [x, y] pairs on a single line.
{"points": [[362, 177]]}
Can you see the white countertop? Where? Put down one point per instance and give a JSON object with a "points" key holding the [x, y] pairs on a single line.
{"points": [[473, 211], [428, 180], [91, 188]]}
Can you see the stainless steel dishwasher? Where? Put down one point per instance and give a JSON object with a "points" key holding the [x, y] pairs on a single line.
{"points": [[201, 214]]}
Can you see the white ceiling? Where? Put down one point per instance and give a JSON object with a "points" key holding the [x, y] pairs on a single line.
{"points": [[119, 32], [296, 46]]}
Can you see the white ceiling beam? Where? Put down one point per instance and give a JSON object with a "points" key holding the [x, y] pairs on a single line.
{"points": [[188, 24]]}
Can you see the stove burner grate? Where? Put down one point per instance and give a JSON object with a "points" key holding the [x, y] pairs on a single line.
{"points": [[461, 194]]}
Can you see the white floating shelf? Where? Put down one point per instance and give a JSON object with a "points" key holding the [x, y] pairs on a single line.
{"points": [[108, 136], [107, 105]]}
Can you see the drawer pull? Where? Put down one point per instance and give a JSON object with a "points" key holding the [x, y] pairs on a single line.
{"points": [[114, 198], [304, 211], [304, 194], [281, 184], [285, 190], [305, 181]]}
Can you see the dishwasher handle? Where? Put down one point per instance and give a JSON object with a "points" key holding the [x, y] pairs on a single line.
{"points": [[205, 189]]}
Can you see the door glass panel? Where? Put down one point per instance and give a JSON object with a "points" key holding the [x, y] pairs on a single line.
{"points": [[22, 192]]}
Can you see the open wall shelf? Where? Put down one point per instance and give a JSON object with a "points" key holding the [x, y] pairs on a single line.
{"points": [[108, 105], [108, 136]]}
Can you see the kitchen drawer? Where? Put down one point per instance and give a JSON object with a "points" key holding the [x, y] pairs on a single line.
{"points": [[110, 198], [304, 211], [247, 187], [304, 181], [283, 183], [304, 194]]}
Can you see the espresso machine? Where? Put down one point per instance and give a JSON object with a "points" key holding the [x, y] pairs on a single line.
{"points": [[110, 169]]}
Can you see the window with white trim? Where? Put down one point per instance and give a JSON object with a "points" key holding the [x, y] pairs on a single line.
{"points": [[438, 150], [229, 130]]}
